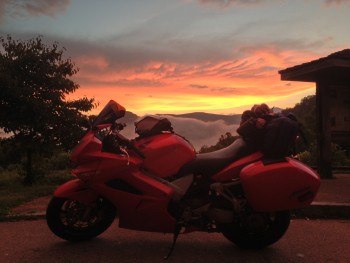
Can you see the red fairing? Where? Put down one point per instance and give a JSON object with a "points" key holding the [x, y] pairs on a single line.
{"points": [[76, 190], [88, 149], [279, 186], [165, 153], [147, 208], [143, 208]]}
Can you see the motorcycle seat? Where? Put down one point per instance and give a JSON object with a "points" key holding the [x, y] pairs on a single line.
{"points": [[209, 163]]}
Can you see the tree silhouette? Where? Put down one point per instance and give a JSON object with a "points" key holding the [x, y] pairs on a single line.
{"points": [[34, 82], [305, 112]]}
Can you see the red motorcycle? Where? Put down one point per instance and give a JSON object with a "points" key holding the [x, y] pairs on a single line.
{"points": [[156, 182]]}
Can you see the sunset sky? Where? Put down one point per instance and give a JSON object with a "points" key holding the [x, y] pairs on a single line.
{"points": [[177, 56]]}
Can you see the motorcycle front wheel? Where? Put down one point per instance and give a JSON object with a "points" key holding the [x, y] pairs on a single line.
{"points": [[257, 230], [75, 221]]}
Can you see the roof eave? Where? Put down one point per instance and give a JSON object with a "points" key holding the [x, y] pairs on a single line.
{"points": [[309, 72]]}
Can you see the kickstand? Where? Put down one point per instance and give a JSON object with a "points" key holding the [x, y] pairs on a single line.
{"points": [[176, 235]]}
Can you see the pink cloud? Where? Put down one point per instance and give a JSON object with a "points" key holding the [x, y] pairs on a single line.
{"points": [[228, 3], [337, 2], [255, 68], [33, 7]]}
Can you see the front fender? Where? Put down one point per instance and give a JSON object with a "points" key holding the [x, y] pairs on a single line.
{"points": [[76, 190]]}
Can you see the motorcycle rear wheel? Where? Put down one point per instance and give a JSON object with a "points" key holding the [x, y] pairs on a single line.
{"points": [[75, 221], [257, 230]]}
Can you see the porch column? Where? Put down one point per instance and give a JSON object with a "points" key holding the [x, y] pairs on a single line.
{"points": [[324, 163]]}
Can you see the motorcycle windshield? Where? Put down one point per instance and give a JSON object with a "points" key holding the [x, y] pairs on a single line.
{"points": [[109, 114]]}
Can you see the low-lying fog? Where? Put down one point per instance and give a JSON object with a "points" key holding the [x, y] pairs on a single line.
{"points": [[198, 132]]}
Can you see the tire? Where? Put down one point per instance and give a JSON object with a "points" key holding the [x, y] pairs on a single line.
{"points": [[257, 230], [75, 221]]}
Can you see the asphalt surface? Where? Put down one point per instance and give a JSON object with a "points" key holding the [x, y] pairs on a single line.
{"points": [[305, 241]]}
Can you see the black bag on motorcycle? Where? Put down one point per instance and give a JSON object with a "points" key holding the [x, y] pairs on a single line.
{"points": [[279, 136], [276, 138], [152, 125]]}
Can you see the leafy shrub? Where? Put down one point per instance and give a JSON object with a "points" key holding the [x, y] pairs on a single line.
{"points": [[59, 161], [56, 177], [9, 177], [338, 155]]}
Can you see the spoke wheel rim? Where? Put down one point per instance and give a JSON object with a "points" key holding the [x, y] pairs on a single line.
{"points": [[78, 216]]}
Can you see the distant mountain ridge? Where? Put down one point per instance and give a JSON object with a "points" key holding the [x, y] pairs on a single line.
{"points": [[130, 117], [209, 117]]}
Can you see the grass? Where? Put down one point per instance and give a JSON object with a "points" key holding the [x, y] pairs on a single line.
{"points": [[14, 193]]}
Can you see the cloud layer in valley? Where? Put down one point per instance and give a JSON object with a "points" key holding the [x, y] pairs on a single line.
{"points": [[198, 132]]}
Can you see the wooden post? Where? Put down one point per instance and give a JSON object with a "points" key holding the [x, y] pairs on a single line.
{"points": [[28, 179], [324, 163]]}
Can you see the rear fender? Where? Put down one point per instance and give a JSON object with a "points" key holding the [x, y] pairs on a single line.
{"points": [[76, 190]]}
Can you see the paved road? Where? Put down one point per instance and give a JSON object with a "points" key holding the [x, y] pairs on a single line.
{"points": [[306, 241]]}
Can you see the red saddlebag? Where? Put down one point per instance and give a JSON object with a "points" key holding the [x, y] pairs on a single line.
{"points": [[279, 186]]}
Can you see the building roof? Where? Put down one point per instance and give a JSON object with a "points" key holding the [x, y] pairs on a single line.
{"points": [[334, 67]]}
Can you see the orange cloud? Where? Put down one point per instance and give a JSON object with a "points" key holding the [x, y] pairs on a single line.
{"points": [[213, 86]]}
